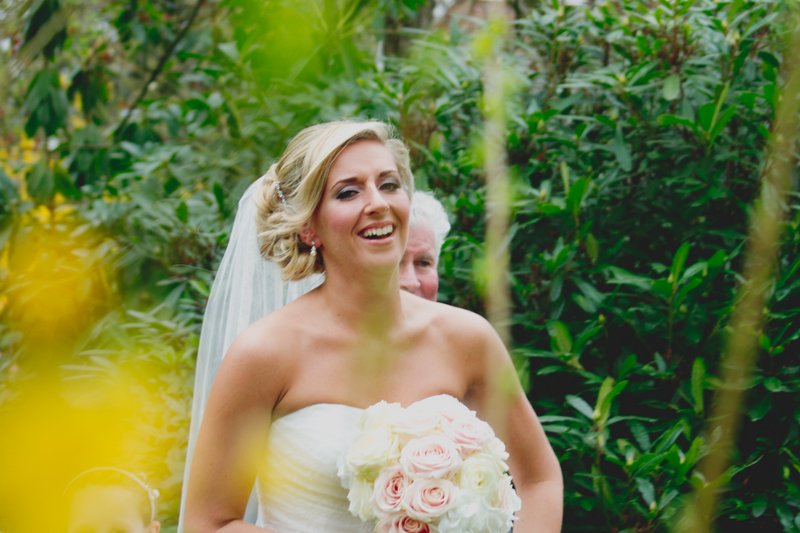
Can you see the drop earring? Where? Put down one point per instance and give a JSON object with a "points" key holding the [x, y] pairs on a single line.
{"points": [[313, 249]]}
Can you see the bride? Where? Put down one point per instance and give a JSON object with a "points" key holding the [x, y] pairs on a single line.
{"points": [[286, 400]]}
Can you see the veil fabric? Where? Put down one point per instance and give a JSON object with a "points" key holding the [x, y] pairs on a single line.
{"points": [[246, 288]]}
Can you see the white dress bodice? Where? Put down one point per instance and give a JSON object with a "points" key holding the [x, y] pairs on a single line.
{"points": [[299, 490]]}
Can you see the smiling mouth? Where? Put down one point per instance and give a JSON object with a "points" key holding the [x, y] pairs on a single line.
{"points": [[374, 234]]}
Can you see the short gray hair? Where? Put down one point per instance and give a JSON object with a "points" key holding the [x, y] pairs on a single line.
{"points": [[426, 209]]}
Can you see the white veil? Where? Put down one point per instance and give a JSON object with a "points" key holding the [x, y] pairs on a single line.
{"points": [[246, 288]]}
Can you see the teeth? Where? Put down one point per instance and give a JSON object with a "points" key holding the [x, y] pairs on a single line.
{"points": [[378, 232]]}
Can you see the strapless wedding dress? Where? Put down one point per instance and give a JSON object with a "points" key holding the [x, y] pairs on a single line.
{"points": [[299, 490]]}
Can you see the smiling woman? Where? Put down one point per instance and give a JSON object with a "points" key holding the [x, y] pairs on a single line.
{"points": [[289, 400], [298, 184]]}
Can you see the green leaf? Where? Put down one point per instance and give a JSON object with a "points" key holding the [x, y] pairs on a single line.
{"points": [[592, 247], [182, 212], [621, 150], [40, 183], [580, 405], [722, 121], [230, 51], [639, 432], [621, 276], [605, 398], [705, 115], [560, 337], [576, 195], [697, 384], [668, 119], [678, 261], [672, 87], [646, 489], [171, 185], [662, 288], [45, 103]]}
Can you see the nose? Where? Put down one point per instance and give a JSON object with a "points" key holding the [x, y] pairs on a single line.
{"points": [[408, 278], [376, 203]]}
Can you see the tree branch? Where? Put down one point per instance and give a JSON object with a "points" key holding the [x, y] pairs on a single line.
{"points": [[160, 66]]}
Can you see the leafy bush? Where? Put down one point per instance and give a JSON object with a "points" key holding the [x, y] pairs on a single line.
{"points": [[636, 136]]}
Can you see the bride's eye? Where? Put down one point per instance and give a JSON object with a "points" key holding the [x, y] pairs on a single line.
{"points": [[345, 194], [391, 185]]}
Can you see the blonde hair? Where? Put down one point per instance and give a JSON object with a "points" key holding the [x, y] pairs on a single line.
{"points": [[293, 189]]}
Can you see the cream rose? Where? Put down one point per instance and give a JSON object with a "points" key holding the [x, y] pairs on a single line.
{"points": [[370, 452], [402, 524], [496, 447], [360, 497], [434, 456], [509, 501], [443, 404], [382, 415], [474, 515], [389, 489], [481, 473], [426, 499]]}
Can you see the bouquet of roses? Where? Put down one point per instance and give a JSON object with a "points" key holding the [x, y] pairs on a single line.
{"points": [[432, 467]]}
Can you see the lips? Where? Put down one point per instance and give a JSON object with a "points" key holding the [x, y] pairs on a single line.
{"points": [[377, 231]]}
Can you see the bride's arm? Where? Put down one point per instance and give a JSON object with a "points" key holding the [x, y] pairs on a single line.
{"points": [[501, 401], [232, 438]]}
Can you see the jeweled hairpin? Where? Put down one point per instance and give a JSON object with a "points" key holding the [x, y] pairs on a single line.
{"points": [[280, 193]]}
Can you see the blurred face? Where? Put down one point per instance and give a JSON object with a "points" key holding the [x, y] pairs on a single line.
{"points": [[418, 274], [363, 215], [107, 509]]}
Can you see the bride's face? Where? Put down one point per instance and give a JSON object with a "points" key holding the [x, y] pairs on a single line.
{"points": [[363, 214]]}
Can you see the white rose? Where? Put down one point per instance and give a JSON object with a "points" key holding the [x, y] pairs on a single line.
{"points": [[381, 415], [472, 514], [360, 497], [371, 450], [417, 421], [508, 500], [434, 456], [496, 447], [444, 405], [481, 474]]}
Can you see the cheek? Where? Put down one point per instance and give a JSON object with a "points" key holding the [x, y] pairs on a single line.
{"points": [[428, 278]]}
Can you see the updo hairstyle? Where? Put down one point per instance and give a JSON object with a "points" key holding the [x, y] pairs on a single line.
{"points": [[299, 177]]}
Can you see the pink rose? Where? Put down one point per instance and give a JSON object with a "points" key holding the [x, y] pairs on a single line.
{"points": [[434, 456], [469, 433], [390, 487], [402, 524], [427, 499]]}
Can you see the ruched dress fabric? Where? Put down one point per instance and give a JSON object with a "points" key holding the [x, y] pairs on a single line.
{"points": [[299, 490]]}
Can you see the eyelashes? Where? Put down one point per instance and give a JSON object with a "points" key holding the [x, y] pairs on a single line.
{"points": [[390, 184]]}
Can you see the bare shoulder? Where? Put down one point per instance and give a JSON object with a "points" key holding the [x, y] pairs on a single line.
{"points": [[258, 363], [462, 325], [466, 331]]}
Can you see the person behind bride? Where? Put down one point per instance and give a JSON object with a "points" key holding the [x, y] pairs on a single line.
{"points": [[286, 402], [108, 499], [428, 227]]}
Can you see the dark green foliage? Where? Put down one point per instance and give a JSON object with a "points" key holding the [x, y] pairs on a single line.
{"points": [[636, 142]]}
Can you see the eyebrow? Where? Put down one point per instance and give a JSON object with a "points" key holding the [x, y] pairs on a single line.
{"points": [[356, 179]]}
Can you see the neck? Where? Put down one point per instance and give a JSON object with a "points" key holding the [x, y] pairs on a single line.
{"points": [[368, 300]]}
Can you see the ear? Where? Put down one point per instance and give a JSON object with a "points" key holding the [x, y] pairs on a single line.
{"points": [[308, 235]]}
